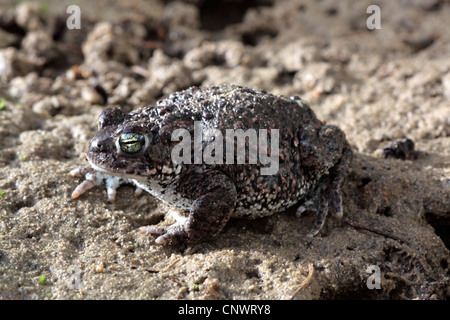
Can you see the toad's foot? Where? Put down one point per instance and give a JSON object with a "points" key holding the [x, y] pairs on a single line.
{"points": [[95, 178], [175, 230]]}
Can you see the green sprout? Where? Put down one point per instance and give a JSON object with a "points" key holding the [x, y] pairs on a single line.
{"points": [[2, 104], [2, 192], [42, 279]]}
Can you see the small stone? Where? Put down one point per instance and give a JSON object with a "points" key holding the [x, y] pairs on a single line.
{"points": [[91, 96], [39, 46], [400, 149], [14, 63], [27, 16]]}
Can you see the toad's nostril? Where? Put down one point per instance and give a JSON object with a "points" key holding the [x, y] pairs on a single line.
{"points": [[97, 145]]}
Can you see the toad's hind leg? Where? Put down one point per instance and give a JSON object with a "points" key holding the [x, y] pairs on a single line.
{"points": [[330, 195]]}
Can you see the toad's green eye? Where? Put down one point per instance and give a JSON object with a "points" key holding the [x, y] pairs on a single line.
{"points": [[131, 142]]}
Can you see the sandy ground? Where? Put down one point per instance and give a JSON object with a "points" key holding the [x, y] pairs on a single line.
{"points": [[377, 85]]}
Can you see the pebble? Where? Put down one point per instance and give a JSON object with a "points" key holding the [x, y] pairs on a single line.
{"points": [[90, 95]]}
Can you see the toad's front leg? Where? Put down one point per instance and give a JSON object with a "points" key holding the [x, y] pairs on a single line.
{"points": [[96, 178], [215, 199]]}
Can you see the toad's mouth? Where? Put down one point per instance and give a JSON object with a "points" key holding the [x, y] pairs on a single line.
{"points": [[135, 170], [95, 166], [106, 168]]}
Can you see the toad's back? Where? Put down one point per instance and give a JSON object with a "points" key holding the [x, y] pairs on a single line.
{"points": [[233, 107]]}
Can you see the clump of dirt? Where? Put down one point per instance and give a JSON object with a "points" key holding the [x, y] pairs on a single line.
{"points": [[380, 86]]}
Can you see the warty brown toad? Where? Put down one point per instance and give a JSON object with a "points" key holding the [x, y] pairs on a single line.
{"points": [[186, 151]]}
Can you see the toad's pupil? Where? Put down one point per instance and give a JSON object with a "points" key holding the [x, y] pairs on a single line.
{"points": [[131, 142]]}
